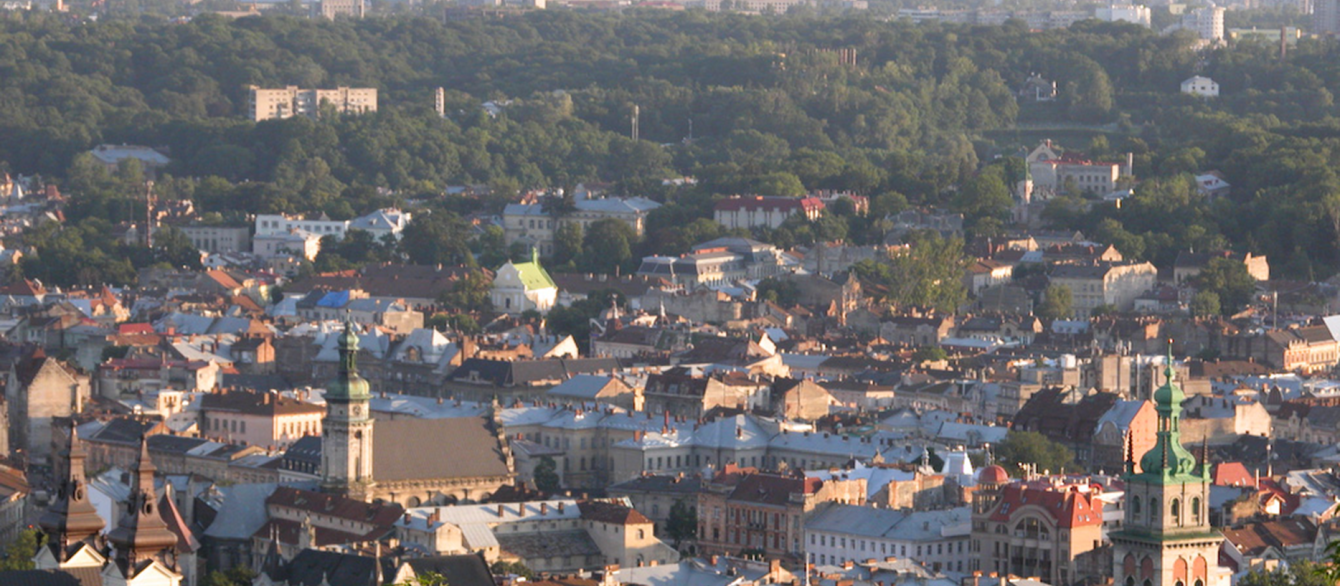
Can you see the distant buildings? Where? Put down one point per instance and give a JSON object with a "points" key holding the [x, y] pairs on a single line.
{"points": [[534, 224], [349, 8], [1203, 87], [111, 156], [1054, 172], [280, 103], [1115, 284], [1134, 13], [1326, 17], [766, 211], [1207, 22], [522, 286]]}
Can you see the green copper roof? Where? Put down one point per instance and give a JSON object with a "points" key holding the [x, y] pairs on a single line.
{"points": [[348, 386], [1169, 462], [532, 274]]}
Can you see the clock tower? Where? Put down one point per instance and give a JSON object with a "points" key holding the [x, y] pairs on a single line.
{"points": [[346, 432], [1167, 539]]}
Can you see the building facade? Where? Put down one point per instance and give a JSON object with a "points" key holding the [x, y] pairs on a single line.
{"points": [[287, 102]]}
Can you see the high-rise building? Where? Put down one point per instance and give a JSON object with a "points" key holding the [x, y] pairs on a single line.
{"points": [[1207, 22], [1326, 17], [1166, 539], [272, 103], [351, 8]]}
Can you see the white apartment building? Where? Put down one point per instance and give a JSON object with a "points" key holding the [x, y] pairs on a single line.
{"points": [[218, 239], [1052, 172], [1207, 22], [759, 210], [280, 103], [1135, 13], [841, 533], [1116, 284], [378, 223]]}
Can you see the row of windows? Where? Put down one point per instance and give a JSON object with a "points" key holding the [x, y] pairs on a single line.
{"points": [[884, 547]]}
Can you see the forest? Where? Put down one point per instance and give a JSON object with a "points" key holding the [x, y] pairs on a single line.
{"points": [[927, 116]]}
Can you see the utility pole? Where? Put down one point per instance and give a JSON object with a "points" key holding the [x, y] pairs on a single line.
{"points": [[636, 114]]}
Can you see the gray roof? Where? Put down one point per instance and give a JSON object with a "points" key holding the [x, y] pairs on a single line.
{"points": [[888, 523], [242, 513], [453, 447], [576, 542]]}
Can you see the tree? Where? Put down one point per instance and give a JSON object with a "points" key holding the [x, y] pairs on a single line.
{"points": [[19, 552], [1057, 303], [929, 274], [238, 576], [505, 568], [173, 247], [426, 579], [567, 243], [1230, 280], [1032, 448], [469, 293], [607, 245], [985, 196], [683, 522], [929, 354], [439, 237], [546, 476], [1205, 304]]}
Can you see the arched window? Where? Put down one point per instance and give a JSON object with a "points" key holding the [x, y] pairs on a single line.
{"points": [[1153, 510], [1195, 510], [1130, 580], [1135, 506], [1176, 510]]}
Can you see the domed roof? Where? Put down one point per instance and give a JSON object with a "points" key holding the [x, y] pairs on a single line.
{"points": [[993, 474]]}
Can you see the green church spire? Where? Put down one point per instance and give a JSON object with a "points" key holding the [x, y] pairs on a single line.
{"points": [[348, 386], [1169, 462]]}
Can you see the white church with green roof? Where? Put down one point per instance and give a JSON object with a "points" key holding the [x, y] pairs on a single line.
{"points": [[521, 286]]}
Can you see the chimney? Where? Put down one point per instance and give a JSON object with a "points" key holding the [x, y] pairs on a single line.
{"points": [[407, 518], [500, 510], [714, 560], [560, 508], [544, 509]]}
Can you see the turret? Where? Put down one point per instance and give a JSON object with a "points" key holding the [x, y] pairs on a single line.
{"points": [[72, 519], [141, 534]]}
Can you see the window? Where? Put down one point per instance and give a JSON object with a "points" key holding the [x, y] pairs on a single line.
{"points": [[1176, 510], [1135, 506], [1195, 510]]}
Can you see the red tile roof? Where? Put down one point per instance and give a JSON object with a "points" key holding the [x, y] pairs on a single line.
{"points": [[1065, 504]]}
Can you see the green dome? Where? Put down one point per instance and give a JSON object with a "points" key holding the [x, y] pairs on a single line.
{"points": [[348, 386], [1170, 394]]}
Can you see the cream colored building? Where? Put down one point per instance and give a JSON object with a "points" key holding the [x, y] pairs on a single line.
{"points": [[1115, 284], [279, 103]]}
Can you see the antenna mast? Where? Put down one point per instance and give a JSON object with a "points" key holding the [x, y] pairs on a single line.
{"points": [[149, 214]]}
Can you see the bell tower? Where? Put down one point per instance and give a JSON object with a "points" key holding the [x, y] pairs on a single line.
{"points": [[1167, 539], [346, 433]]}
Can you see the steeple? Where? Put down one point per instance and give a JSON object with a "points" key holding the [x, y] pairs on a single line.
{"points": [[142, 535], [348, 386], [1169, 461], [72, 518]]}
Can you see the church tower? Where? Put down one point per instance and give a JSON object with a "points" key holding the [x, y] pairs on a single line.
{"points": [[346, 433], [72, 521], [141, 538], [1167, 539]]}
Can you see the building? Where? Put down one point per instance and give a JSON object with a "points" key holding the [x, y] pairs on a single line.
{"points": [[1207, 22], [218, 239], [379, 224], [1134, 13], [1326, 17], [38, 390], [837, 534], [1114, 284], [356, 466], [287, 102], [1200, 86], [766, 513], [521, 286], [111, 156], [534, 224], [1044, 528], [337, 8], [1166, 538], [766, 211], [1189, 264], [298, 243], [259, 419], [1302, 349], [716, 262], [1054, 172]]}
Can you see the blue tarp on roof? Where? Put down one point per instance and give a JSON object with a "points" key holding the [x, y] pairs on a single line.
{"points": [[334, 299]]}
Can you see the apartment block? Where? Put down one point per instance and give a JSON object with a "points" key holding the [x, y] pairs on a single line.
{"points": [[280, 103]]}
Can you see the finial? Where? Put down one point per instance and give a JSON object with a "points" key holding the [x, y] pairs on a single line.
{"points": [[1168, 372]]}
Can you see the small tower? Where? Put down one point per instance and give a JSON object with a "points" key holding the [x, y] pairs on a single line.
{"points": [[346, 435], [72, 520], [141, 536]]}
